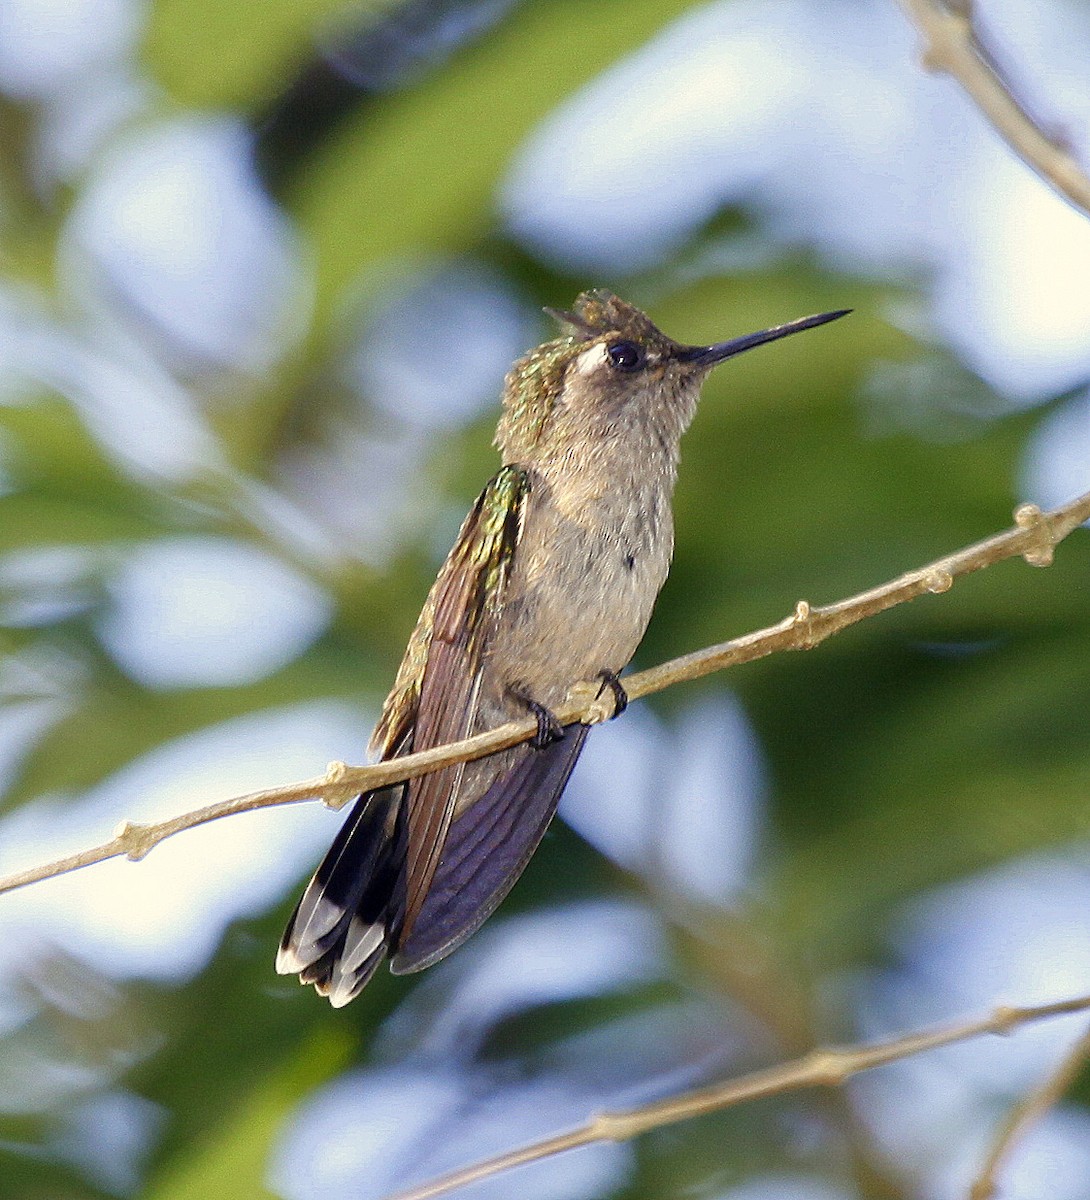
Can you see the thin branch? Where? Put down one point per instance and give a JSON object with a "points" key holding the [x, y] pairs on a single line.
{"points": [[1026, 1113], [1033, 537], [952, 46], [820, 1068], [738, 961]]}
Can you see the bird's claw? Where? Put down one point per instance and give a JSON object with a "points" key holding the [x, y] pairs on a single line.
{"points": [[549, 729], [620, 696]]}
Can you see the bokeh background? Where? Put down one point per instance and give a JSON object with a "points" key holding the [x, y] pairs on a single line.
{"points": [[262, 269]]}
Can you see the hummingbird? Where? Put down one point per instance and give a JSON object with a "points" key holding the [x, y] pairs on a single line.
{"points": [[546, 594]]}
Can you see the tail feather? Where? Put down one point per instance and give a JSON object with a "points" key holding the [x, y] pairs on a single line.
{"points": [[353, 912], [348, 914], [486, 851]]}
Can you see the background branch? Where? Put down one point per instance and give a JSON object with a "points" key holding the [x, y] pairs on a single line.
{"points": [[953, 46], [1033, 537], [829, 1067], [1026, 1113]]}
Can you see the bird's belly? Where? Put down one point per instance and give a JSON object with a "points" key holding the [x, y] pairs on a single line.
{"points": [[579, 606]]}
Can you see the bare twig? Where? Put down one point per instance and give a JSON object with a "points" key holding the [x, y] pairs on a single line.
{"points": [[953, 47], [1033, 537], [1026, 1113], [820, 1068]]}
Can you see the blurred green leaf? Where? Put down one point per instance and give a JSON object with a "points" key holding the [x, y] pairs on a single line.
{"points": [[233, 1159], [215, 54], [418, 175]]}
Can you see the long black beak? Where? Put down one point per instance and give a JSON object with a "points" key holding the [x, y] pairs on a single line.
{"points": [[708, 356]]}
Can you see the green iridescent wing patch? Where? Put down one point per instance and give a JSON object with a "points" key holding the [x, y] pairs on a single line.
{"points": [[460, 611]]}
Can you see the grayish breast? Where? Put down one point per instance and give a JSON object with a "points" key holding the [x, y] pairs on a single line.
{"points": [[595, 550]]}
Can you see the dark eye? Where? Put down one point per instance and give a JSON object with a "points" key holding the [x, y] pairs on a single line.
{"points": [[625, 356]]}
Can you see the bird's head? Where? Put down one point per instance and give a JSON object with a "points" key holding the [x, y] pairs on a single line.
{"points": [[614, 370]]}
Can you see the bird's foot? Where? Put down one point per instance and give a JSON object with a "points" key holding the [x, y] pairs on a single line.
{"points": [[620, 696], [549, 729]]}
